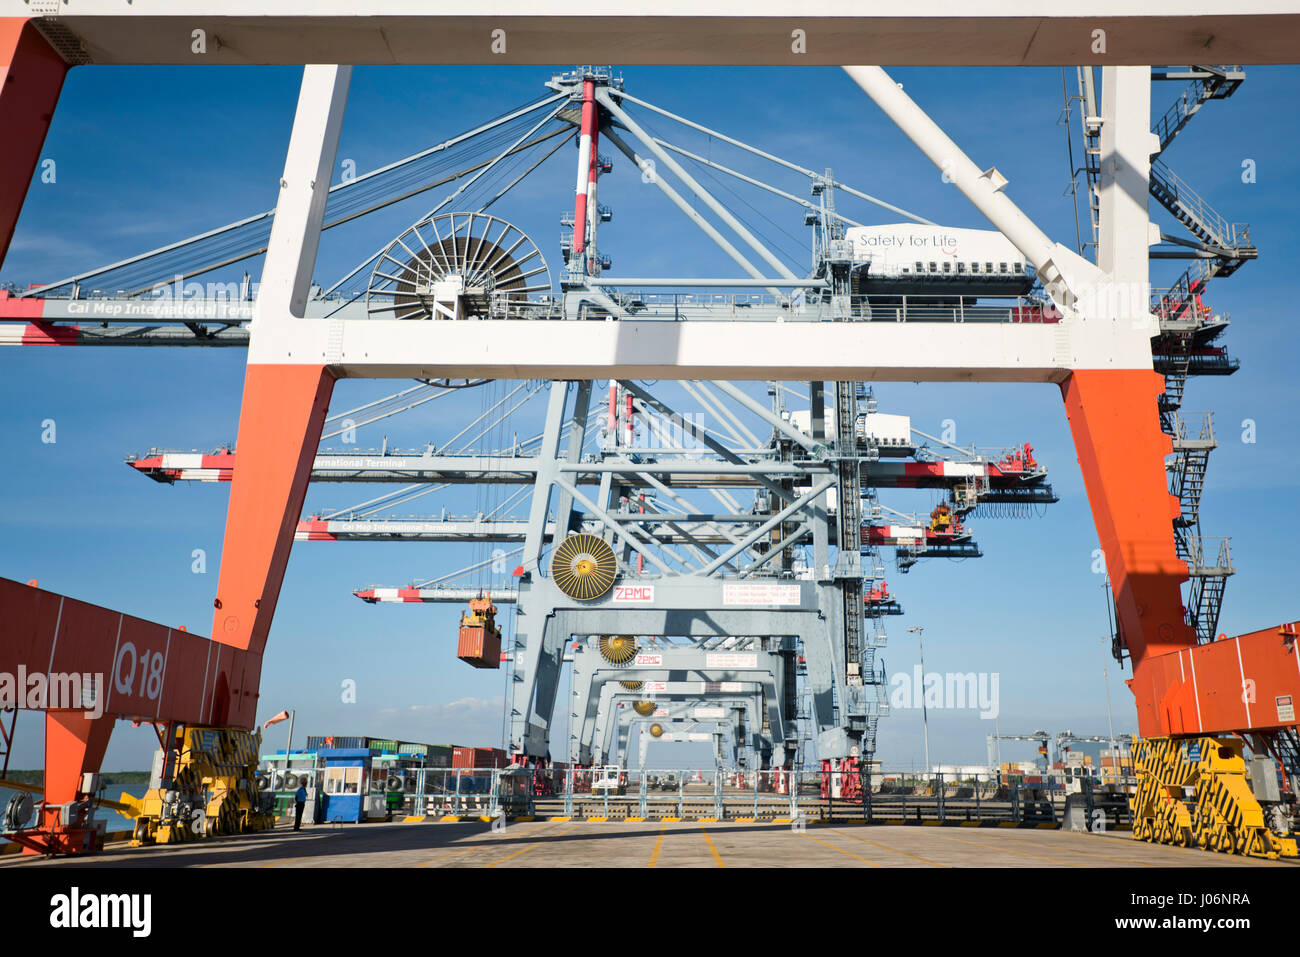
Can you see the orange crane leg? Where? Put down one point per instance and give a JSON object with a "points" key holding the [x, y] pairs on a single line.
{"points": [[1122, 450], [280, 421], [31, 78], [74, 745]]}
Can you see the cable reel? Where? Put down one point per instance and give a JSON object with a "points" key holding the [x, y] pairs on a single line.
{"points": [[617, 649], [644, 708], [458, 265], [584, 566], [17, 812]]}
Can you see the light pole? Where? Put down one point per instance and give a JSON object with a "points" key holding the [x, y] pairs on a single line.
{"points": [[288, 744], [925, 717], [1105, 677]]}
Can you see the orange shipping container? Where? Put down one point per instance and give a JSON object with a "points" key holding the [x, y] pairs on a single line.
{"points": [[466, 758], [479, 645]]}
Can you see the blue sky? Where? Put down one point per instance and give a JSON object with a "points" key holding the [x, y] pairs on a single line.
{"points": [[148, 155]]}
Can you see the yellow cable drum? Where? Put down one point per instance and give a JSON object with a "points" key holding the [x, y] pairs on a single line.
{"points": [[617, 649], [644, 708], [584, 566]]}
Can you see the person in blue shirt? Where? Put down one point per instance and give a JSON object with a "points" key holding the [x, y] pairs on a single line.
{"points": [[300, 802]]}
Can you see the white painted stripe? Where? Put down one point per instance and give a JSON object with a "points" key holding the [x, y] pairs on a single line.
{"points": [[182, 461], [58, 621], [163, 681], [1242, 670], [112, 665], [203, 708], [584, 160], [1200, 725], [216, 673], [204, 687]]}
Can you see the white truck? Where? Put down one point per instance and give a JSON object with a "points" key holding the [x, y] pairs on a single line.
{"points": [[608, 780]]}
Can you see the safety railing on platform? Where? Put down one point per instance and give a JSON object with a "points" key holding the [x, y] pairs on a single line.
{"points": [[934, 307]]}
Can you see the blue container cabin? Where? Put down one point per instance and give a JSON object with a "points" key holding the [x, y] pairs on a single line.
{"points": [[345, 785]]}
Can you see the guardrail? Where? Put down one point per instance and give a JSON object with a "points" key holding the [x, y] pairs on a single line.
{"points": [[832, 793]]}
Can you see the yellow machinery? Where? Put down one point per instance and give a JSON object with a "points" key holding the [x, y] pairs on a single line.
{"points": [[213, 790], [1194, 792], [941, 519]]}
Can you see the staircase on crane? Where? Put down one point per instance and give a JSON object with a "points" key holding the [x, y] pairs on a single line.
{"points": [[1193, 440], [1228, 242], [1207, 83], [1207, 580], [1192, 447]]}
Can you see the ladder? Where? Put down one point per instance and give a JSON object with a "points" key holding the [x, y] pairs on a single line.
{"points": [[1206, 584], [1207, 579], [848, 563], [1187, 471]]}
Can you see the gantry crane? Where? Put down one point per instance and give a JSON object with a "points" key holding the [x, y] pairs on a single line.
{"points": [[1041, 737], [1065, 738], [1100, 353]]}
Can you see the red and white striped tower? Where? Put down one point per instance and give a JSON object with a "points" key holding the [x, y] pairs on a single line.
{"points": [[584, 201], [613, 412]]}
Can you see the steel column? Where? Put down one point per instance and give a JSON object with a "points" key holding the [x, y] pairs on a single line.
{"points": [[284, 406]]}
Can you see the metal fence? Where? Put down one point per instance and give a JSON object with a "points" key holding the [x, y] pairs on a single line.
{"points": [[878, 796]]}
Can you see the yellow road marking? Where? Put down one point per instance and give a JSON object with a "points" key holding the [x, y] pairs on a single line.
{"points": [[994, 847], [712, 850], [445, 856], [840, 849], [885, 847], [654, 855], [530, 847]]}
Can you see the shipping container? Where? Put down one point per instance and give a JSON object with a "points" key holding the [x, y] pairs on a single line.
{"points": [[439, 756], [317, 742], [465, 758], [479, 645]]}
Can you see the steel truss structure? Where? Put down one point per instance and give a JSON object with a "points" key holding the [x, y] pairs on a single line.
{"points": [[632, 482], [1091, 340]]}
